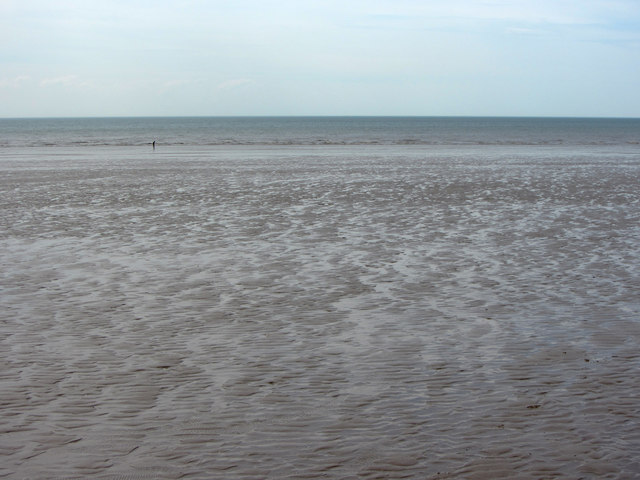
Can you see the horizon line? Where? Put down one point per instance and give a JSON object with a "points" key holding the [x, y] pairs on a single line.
{"points": [[70, 117]]}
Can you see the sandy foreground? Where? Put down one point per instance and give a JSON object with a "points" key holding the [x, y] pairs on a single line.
{"points": [[334, 313]]}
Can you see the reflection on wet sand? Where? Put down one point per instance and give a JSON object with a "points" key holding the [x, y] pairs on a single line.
{"points": [[318, 314]]}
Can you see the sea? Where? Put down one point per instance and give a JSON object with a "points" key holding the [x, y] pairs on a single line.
{"points": [[274, 131], [320, 298]]}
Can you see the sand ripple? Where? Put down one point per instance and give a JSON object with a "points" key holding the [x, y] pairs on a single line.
{"points": [[313, 313]]}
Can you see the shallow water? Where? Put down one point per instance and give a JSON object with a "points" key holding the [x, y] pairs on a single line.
{"points": [[320, 312]]}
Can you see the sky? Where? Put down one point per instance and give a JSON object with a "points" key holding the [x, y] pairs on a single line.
{"points": [[327, 57]]}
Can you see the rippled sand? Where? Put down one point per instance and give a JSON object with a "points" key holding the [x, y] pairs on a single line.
{"points": [[320, 313]]}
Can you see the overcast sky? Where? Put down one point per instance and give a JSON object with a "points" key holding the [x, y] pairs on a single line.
{"points": [[325, 57]]}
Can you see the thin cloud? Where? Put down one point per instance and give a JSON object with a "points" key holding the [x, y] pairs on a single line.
{"points": [[526, 31], [177, 83], [399, 13], [236, 83], [65, 81], [15, 82]]}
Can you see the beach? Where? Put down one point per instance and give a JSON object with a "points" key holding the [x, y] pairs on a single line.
{"points": [[335, 312]]}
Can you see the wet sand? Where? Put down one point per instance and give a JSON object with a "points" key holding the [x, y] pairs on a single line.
{"points": [[319, 312]]}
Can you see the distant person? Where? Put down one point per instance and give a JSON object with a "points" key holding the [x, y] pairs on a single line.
{"points": [[154, 144]]}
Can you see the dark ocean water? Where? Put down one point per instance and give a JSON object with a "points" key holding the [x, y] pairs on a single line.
{"points": [[318, 131]]}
